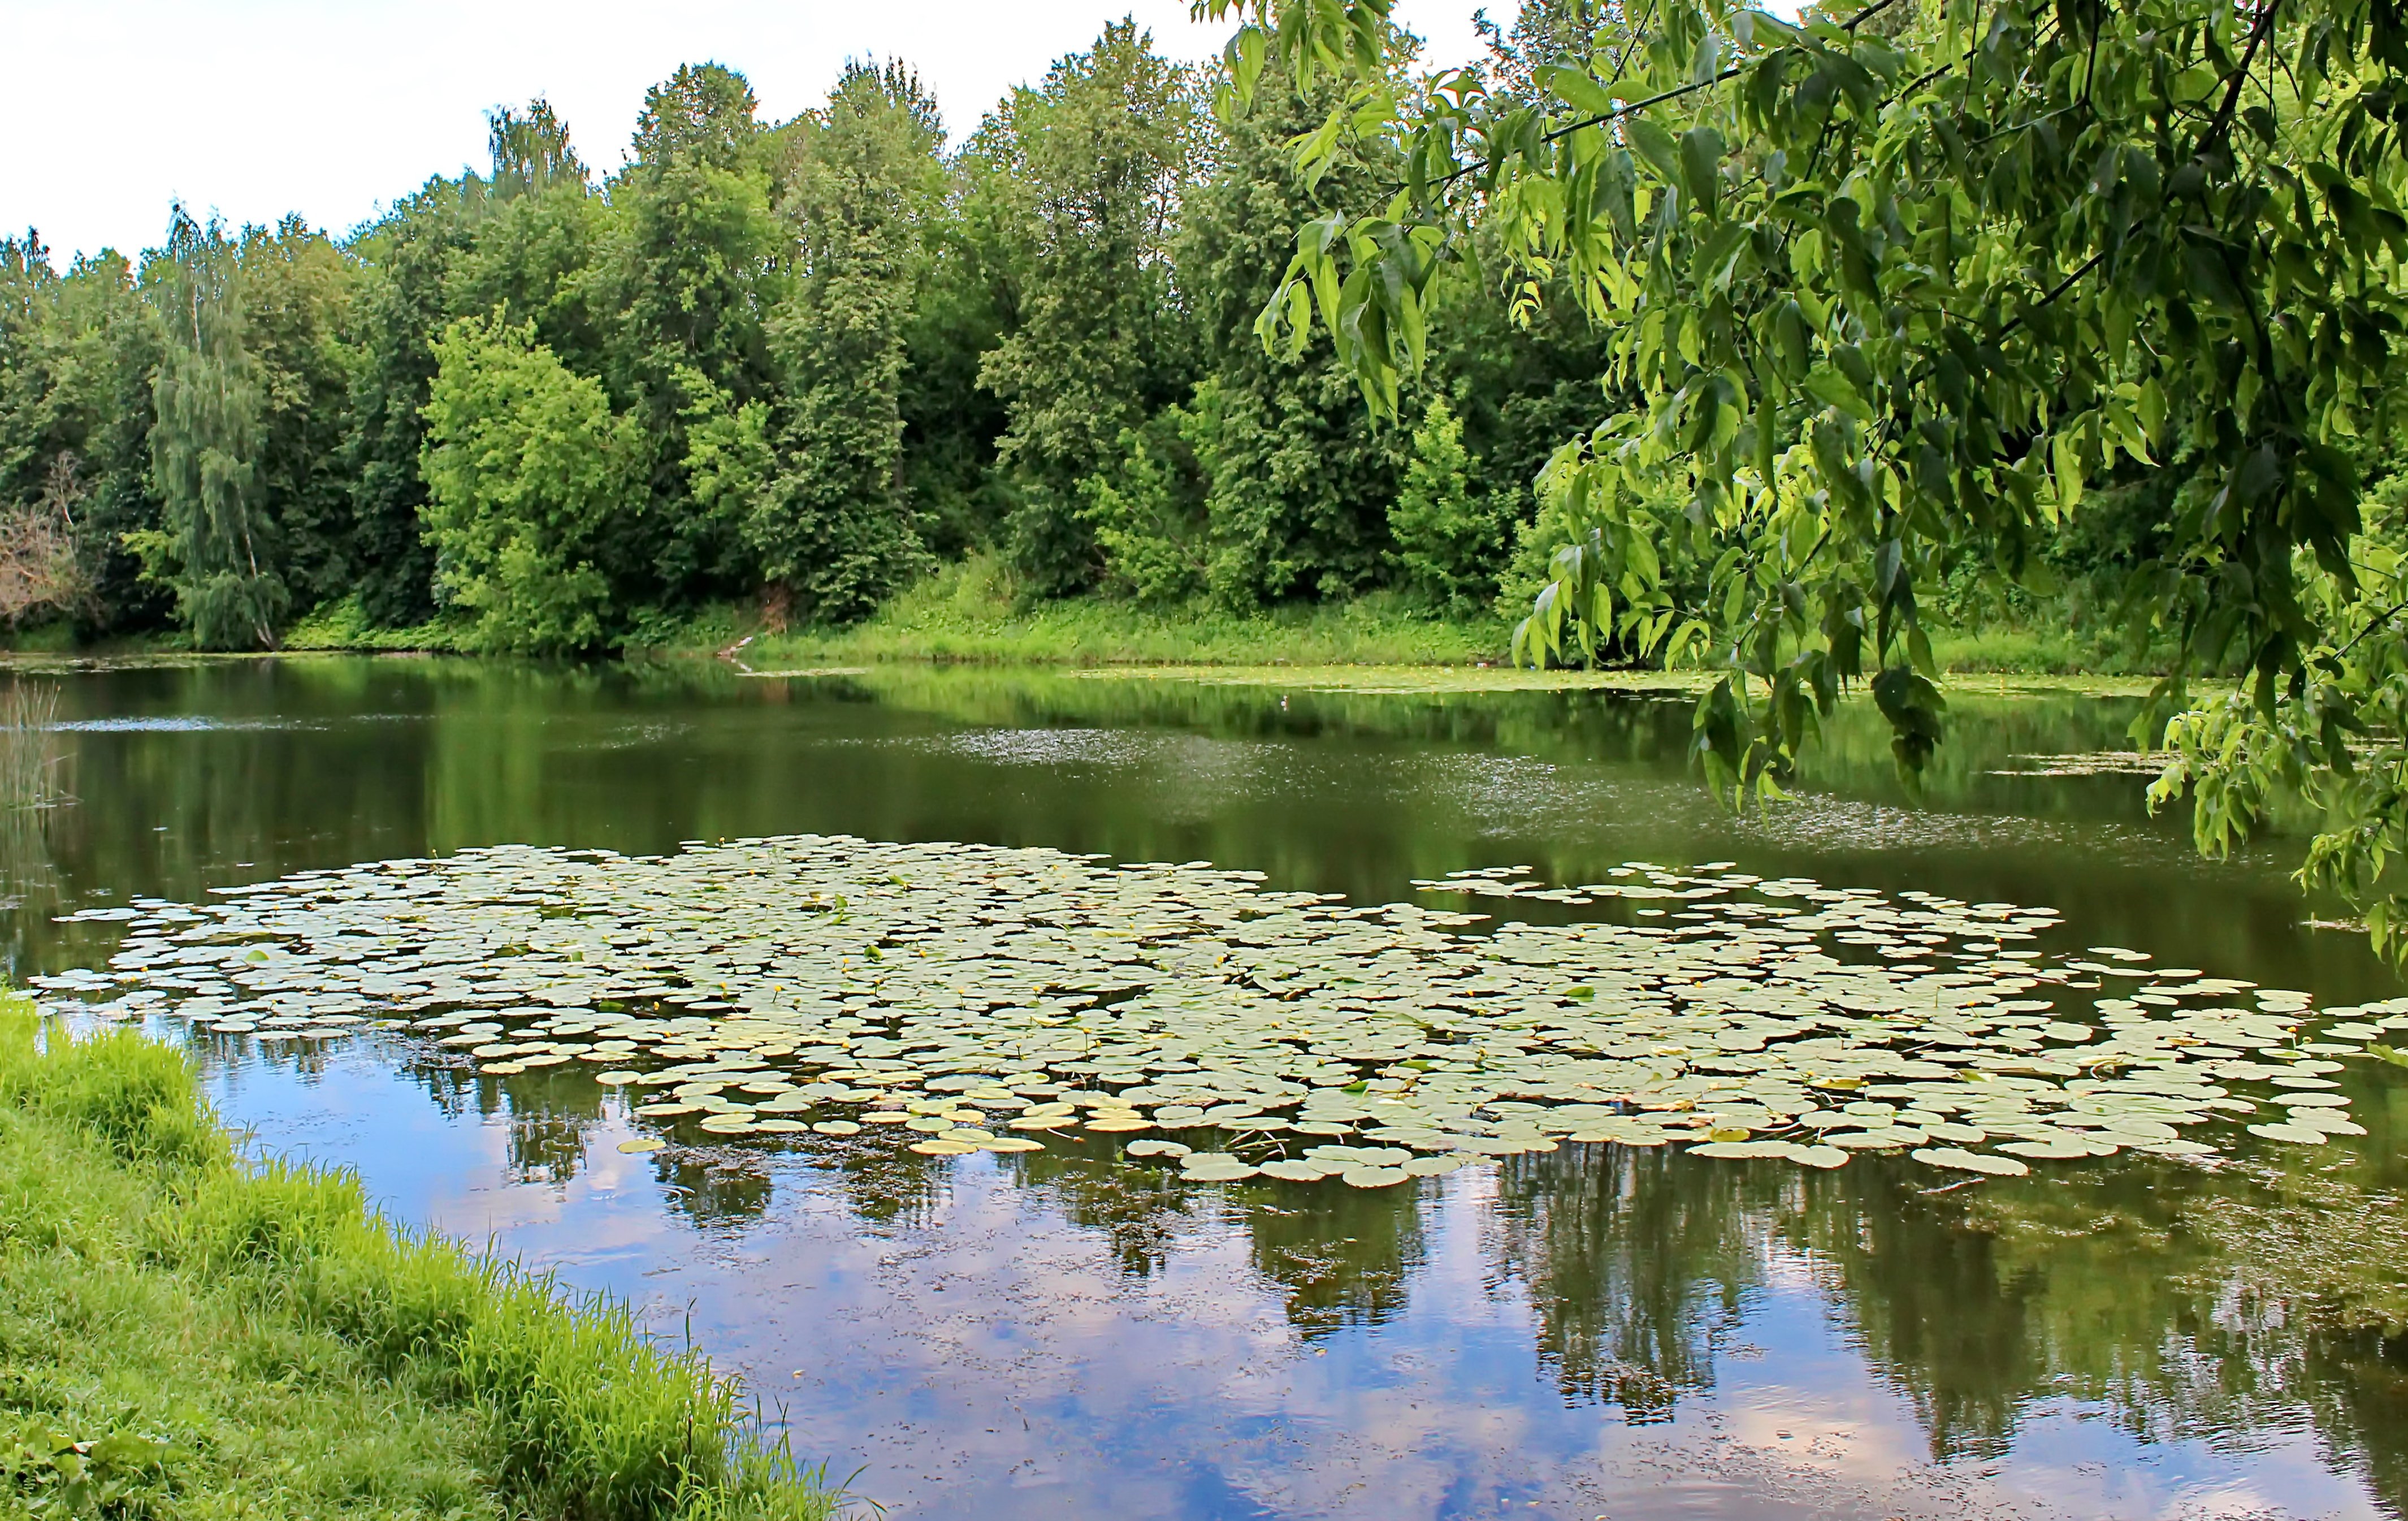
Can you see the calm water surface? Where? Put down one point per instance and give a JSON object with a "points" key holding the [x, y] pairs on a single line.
{"points": [[1591, 1332]]}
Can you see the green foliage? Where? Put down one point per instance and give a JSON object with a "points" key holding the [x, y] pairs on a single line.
{"points": [[968, 299], [296, 293], [1148, 516], [831, 528], [840, 353], [1902, 289], [528, 471], [978, 612], [216, 545], [688, 270], [1098, 160], [77, 353], [398, 309], [1302, 478], [1448, 539]]}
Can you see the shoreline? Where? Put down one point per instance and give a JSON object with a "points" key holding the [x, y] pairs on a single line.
{"points": [[187, 1325]]}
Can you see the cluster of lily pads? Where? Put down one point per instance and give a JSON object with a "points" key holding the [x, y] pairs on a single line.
{"points": [[972, 998]]}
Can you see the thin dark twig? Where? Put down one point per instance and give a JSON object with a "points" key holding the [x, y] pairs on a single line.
{"points": [[1631, 45], [2058, 289], [2222, 122], [1630, 108]]}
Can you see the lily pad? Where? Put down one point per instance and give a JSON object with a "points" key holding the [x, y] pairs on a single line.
{"points": [[1965, 1161], [833, 981]]}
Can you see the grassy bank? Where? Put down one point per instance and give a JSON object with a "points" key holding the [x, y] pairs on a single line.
{"points": [[970, 614], [184, 1334]]}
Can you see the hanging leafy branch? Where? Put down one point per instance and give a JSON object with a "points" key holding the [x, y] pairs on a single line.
{"points": [[1894, 295]]}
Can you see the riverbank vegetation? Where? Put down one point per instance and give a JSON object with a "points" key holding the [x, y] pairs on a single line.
{"points": [[184, 1332], [849, 379], [1794, 350]]}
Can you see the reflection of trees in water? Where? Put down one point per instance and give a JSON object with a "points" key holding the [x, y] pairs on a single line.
{"points": [[1140, 1210], [544, 1147], [1940, 1310], [1344, 1255], [717, 1187], [2152, 1291], [31, 793], [454, 1087], [883, 1185], [1638, 1264], [2133, 1286], [2357, 1383], [549, 1118]]}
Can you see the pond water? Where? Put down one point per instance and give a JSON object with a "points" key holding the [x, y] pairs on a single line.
{"points": [[1592, 1330]]}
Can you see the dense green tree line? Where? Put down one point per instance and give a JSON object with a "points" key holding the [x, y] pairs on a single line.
{"points": [[790, 366]]}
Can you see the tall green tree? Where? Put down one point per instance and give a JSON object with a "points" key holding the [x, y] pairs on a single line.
{"points": [[832, 530], [216, 546], [1102, 154], [969, 298], [691, 274], [403, 301], [78, 351], [296, 292], [1450, 537], [527, 473], [1302, 475]]}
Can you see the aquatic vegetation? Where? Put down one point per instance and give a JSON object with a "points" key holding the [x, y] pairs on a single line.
{"points": [[28, 762], [2096, 763], [963, 998]]}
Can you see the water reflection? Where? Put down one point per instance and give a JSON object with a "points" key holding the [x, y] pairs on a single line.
{"points": [[1639, 1266], [1061, 1335], [1597, 1328]]}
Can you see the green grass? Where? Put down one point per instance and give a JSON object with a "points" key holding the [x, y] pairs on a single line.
{"points": [[185, 1334], [968, 612], [2036, 651]]}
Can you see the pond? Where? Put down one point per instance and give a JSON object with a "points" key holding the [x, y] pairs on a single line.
{"points": [[1080, 1321]]}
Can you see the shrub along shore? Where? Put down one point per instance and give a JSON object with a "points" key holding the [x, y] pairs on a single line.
{"points": [[185, 1332]]}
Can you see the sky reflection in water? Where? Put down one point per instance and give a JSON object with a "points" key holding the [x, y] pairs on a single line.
{"points": [[1576, 1334]]}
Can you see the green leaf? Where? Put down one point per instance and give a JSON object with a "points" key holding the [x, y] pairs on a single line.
{"points": [[1655, 146]]}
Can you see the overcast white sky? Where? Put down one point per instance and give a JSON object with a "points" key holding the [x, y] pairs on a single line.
{"points": [[257, 108]]}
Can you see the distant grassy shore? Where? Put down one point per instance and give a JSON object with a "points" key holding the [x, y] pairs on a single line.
{"points": [[185, 1333], [967, 614]]}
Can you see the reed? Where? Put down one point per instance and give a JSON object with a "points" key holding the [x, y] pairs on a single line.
{"points": [[29, 762]]}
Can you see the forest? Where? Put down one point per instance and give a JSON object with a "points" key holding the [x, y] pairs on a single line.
{"points": [[790, 366]]}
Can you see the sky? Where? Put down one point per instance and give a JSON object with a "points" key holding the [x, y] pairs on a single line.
{"points": [[256, 107]]}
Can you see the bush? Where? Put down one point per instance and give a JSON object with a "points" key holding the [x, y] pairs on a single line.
{"points": [[1449, 540], [528, 471]]}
